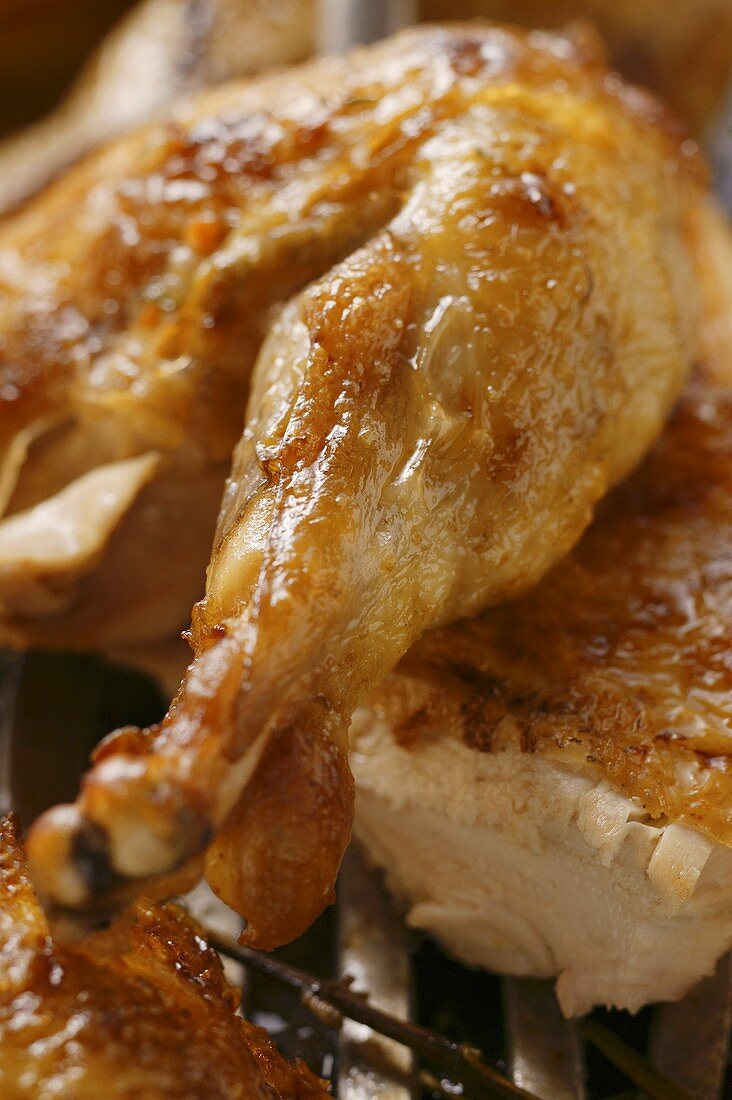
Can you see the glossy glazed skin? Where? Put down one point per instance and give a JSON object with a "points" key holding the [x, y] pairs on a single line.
{"points": [[682, 49], [142, 1010], [430, 427], [619, 661]]}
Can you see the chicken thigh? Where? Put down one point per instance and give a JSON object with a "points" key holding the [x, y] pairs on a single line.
{"points": [[430, 427]]}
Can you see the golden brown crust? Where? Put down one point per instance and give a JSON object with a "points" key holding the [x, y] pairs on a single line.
{"points": [[279, 850], [135, 293], [161, 50], [140, 1010], [96, 262]]}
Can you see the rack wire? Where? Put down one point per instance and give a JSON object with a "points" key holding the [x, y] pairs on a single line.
{"points": [[376, 1009]]}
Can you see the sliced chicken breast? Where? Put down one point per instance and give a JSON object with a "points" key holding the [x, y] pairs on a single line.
{"points": [[549, 786]]}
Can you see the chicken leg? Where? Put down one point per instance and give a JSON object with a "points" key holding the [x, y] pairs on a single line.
{"points": [[430, 426]]}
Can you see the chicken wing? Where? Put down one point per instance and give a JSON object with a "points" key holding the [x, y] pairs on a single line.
{"points": [[141, 1010], [430, 427]]}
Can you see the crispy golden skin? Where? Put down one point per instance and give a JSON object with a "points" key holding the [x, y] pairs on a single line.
{"points": [[142, 1010], [165, 48], [621, 659], [430, 427]]}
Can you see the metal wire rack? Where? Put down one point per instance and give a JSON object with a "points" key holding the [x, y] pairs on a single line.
{"points": [[427, 1027]]}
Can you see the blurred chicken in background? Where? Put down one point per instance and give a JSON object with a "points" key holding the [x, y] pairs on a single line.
{"points": [[680, 48]]}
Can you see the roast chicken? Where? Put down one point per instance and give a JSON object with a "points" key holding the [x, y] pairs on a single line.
{"points": [[142, 1007], [431, 423], [549, 785], [165, 48]]}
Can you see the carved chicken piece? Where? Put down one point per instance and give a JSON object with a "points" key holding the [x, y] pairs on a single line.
{"points": [[569, 755], [430, 428], [140, 1010]]}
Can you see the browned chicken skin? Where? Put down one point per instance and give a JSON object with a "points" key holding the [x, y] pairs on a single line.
{"points": [[620, 659], [165, 48], [430, 427], [549, 785], [583, 664], [143, 1009], [134, 296]]}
